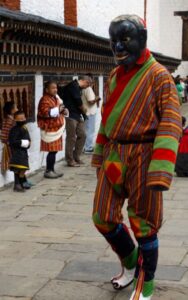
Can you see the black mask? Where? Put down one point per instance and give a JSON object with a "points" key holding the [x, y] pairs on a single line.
{"points": [[20, 123], [128, 40]]}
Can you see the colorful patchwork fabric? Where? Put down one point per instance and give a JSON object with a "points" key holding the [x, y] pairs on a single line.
{"points": [[101, 141], [147, 287], [139, 226], [130, 261], [115, 171], [102, 226], [144, 202], [143, 105]]}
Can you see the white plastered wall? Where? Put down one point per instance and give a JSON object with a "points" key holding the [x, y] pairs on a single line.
{"points": [[95, 16], [49, 9]]}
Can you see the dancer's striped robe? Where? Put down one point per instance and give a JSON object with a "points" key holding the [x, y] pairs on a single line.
{"points": [[141, 105]]}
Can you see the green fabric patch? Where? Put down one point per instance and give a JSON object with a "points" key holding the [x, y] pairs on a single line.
{"points": [[130, 261], [113, 156], [148, 287], [161, 165], [101, 129], [112, 84], [144, 228], [125, 96], [117, 188], [97, 221], [98, 149], [165, 143], [131, 212]]}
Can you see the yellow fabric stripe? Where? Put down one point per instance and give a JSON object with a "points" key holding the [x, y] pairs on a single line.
{"points": [[18, 166]]}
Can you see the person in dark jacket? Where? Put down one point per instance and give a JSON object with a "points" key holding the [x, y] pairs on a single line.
{"points": [[19, 141], [75, 126]]}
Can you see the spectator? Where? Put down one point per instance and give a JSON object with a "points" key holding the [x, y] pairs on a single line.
{"points": [[91, 102], [182, 157], [183, 91], [186, 89], [19, 141], [51, 122], [75, 127], [179, 89], [9, 110]]}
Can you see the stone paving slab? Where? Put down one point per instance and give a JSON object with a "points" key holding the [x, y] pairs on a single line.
{"points": [[165, 293], [185, 261], [20, 286], [102, 271], [48, 232], [79, 247], [178, 204], [11, 252], [170, 227], [57, 290], [171, 293], [26, 233], [184, 280], [171, 255], [39, 266]]}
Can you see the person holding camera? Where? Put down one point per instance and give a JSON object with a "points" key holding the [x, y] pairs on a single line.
{"points": [[51, 121], [91, 102], [75, 125]]}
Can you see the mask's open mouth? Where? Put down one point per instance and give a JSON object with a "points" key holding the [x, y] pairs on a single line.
{"points": [[120, 57]]}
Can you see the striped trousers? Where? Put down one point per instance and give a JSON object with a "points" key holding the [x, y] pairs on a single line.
{"points": [[122, 181], [124, 176]]}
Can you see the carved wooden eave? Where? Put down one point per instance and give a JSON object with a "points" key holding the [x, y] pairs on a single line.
{"points": [[169, 62], [30, 43]]}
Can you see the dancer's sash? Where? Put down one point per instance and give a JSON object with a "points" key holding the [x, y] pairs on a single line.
{"points": [[121, 94]]}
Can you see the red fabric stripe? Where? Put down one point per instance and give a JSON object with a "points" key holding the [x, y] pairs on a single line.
{"points": [[164, 154], [122, 78], [121, 84], [183, 146], [101, 139]]}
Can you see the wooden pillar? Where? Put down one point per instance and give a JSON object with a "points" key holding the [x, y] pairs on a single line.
{"points": [[70, 12]]}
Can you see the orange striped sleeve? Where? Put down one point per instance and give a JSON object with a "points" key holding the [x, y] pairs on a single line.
{"points": [[169, 130]]}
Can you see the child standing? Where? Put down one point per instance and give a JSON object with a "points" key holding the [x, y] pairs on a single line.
{"points": [[19, 141]]}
